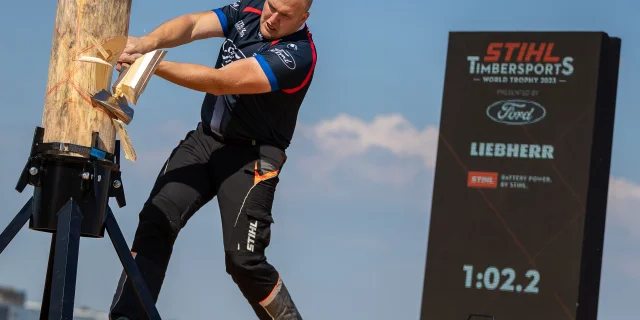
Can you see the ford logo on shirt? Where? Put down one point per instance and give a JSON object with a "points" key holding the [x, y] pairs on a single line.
{"points": [[516, 112]]}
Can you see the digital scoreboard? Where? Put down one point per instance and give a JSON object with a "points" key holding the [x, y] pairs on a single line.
{"points": [[521, 178]]}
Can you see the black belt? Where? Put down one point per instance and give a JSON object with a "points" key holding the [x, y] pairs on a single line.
{"points": [[232, 141], [70, 147], [236, 141]]}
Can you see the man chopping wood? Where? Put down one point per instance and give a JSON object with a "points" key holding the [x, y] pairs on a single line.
{"points": [[248, 116]]}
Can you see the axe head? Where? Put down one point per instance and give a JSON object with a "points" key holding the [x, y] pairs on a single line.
{"points": [[118, 107]]}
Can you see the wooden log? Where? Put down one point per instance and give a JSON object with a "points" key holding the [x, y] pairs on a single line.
{"points": [[93, 28]]}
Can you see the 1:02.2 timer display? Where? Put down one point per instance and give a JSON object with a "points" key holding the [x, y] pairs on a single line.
{"points": [[493, 278]]}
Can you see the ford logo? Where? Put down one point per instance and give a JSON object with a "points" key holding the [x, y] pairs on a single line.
{"points": [[516, 112]]}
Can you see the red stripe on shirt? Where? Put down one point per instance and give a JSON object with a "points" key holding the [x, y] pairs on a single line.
{"points": [[254, 10], [313, 65]]}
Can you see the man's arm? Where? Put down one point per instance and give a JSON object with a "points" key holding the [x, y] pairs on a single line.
{"points": [[183, 29], [285, 66], [244, 76]]}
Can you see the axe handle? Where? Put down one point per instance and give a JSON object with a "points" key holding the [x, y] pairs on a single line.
{"points": [[123, 68]]}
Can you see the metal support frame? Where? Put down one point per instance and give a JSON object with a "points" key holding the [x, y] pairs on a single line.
{"points": [[70, 201]]}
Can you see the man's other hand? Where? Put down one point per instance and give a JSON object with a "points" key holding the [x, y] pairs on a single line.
{"points": [[135, 48]]}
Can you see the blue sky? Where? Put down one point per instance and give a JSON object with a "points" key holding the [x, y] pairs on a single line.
{"points": [[338, 223]]}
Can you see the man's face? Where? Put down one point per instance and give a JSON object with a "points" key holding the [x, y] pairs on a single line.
{"points": [[282, 17]]}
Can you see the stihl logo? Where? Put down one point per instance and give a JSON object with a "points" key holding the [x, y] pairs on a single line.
{"points": [[251, 239], [521, 52], [482, 180]]}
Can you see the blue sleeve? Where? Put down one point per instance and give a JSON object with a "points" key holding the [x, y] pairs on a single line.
{"points": [[228, 15], [288, 65]]}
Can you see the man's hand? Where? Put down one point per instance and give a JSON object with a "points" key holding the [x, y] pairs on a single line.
{"points": [[135, 48]]}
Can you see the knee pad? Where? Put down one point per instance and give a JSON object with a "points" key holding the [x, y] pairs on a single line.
{"points": [[156, 223], [254, 276]]}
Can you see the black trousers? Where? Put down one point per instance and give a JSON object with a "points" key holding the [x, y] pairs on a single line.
{"points": [[244, 179]]}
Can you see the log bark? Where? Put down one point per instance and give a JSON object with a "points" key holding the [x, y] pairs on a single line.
{"points": [[69, 115]]}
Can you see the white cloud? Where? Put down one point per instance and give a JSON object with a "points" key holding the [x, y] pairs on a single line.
{"points": [[348, 142], [624, 198], [623, 189], [347, 136]]}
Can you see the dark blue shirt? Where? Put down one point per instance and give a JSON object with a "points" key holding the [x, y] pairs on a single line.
{"points": [[289, 62]]}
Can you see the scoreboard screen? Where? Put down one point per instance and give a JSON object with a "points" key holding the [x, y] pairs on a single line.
{"points": [[520, 189]]}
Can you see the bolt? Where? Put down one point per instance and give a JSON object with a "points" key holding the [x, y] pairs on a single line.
{"points": [[86, 176], [33, 171], [117, 184]]}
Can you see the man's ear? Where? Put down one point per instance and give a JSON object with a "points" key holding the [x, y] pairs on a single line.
{"points": [[305, 16]]}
